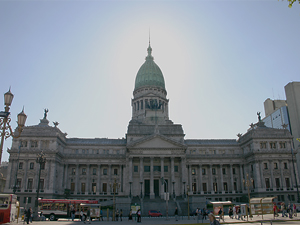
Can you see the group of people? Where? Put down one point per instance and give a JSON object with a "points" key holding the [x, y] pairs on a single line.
{"points": [[138, 214], [234, 212], [288, 211], [28, 215]]}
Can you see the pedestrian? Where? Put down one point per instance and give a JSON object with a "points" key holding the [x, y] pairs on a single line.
{"points": [[212, 220], [88, 216], [121, 214], [283, 209], [290, 211], [295, 209], [176, 214], [81, 215], [275, 210], [139, 219], [234, 211], [31, 215], [238, 212], [198, 212], [220, 214], [73, 213], [101, 215], [28, 215], [117, 214], [230, 213], [204, 213]]}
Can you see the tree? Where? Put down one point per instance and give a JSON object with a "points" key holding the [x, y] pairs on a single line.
{"points": [[291, 2]]}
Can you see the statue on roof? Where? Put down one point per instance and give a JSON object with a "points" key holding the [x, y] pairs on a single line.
{"points": [[259, 117], [45, 113]]}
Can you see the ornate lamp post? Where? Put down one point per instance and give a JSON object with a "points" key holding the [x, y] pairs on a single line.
{"points": [[130, 182], [40, 159], [188, 189], [141, 182], [5, 128], [248, 183], [114, 185], [173, 189]]}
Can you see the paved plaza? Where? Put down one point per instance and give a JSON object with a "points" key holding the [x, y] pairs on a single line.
{"points": [[182, 220]]}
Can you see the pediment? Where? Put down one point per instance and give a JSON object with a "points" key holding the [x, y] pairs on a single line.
{"points": [[156, 142]]}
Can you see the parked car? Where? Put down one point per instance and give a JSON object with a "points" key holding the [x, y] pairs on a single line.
{"points": [[154, 213]]}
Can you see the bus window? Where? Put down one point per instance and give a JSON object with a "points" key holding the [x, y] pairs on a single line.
{"points": [[4, 202]]}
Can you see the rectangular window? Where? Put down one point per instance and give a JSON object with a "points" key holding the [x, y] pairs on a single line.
{"points": [[94, 187], [223, 171], [20, 165], [277, 182], [73, 171], [25, 200], [43, 166], [72, 187], [215, 187], [285, 165], [293, 198], [105, 171], [23, 143], [193, 171], [83, 171], [175, 168], [287, 182], [203, 171], [156, 168], [214, 171], [104, 187], [234, 186], [263, 145], [31, 165], [146, 168], [265, 166], [29, 184], [272, 145], [233, 170], [225, 187], [42, 184], [19, 183], [204, 186], [166, 169], [267, 180], [194, 187], [252, 168], [115, 171], [82, 187], [136, 169], [94, 171], [275, 166], [29, 200], [282, 144]]}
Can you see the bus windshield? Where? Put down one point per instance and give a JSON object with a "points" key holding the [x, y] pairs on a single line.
{"points": [[4, 202]]}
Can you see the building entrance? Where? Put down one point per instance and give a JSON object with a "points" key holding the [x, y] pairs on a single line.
{"points": [[156, 187], [147, 187]]}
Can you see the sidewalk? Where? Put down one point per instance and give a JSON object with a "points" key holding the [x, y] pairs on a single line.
{"points": [[182, 220]]}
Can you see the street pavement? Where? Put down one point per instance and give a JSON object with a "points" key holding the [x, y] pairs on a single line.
{"points": [[182, 220]]}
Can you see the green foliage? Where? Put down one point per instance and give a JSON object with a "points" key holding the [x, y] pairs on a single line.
{"points": [[291, 2], [244, 198]]}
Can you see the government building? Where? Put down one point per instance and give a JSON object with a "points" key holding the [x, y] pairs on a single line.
{"points": [[197, 170]]}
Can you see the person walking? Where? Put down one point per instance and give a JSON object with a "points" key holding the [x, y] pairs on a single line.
{"points": [[198, 212], [283, 210], [88, 216], [130, 215], [121, 214], [212, 220], [295, 209], [230, 213], [139, 219], [117, 215], [176, 214], [81, 216], [220, 214], [234, 211], [28, 215], [73, 213], [204, 214]]}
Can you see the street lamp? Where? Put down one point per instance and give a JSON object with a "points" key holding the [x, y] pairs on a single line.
{"points": [[5, 128], [188, 189], [114, 185], [248, 183], [130, 182], [141, 182], [166, 195], [173, 189], [40, 159]]}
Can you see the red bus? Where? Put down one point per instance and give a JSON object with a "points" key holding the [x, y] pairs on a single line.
{"points": [[8, 208], [60, 208]]}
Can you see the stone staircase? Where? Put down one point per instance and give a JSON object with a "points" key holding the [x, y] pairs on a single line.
{"points": [[158, 204]]}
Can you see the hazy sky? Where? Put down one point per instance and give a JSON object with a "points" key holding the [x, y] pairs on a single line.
{"points": [[220, 60]]}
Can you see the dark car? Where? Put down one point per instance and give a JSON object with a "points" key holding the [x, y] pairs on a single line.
{"points": [[154, 213]]}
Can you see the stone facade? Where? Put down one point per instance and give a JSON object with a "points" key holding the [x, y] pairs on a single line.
{"points": [[154, 148]]}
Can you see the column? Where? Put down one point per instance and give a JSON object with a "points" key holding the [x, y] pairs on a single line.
{"points": [[162, 175], [211, 178], [231, 179], [272, 183], [296, 171], [172, 176], [183, 175], [66, 175], [221, 178], [199, 178], [53, 181], [99, 179], [141, 169], [241, 177], [9, 175], [281, 174], [25, 176], [121, 178], [291, 170], [190, 178], [130, 169], [77, 179], [152, 195], [110, 189], [87, 190], [49, 173]]}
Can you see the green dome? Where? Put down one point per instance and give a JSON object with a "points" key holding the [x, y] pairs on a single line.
{"points": [[149, 74]]}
